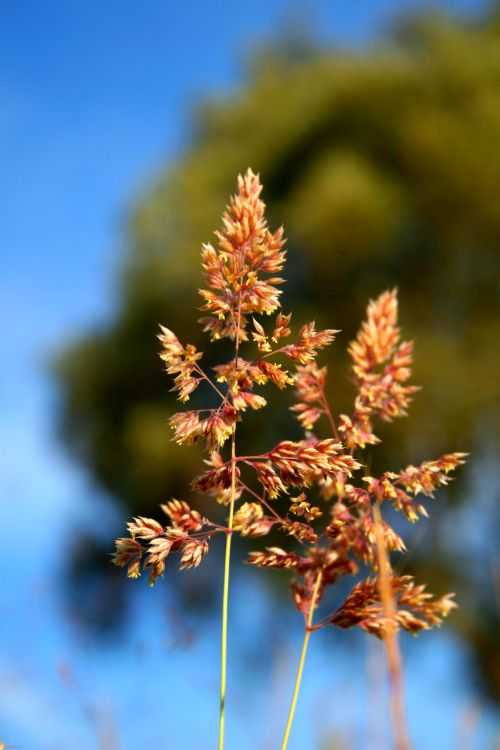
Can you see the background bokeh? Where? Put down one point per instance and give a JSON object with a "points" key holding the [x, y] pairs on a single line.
{"points": [[376, 131]]}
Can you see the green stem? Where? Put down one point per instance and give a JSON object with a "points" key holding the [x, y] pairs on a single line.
{"points": [[227, 558], [303, 653], [225, 596]]}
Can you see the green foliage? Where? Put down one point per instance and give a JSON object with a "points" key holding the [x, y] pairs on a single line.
{"points": [[384, 167]]}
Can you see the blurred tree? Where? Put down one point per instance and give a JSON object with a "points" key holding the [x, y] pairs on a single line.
{"points": [[384, 167]]}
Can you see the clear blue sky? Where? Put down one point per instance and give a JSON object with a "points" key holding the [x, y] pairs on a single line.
{"points": [[94, 98]]}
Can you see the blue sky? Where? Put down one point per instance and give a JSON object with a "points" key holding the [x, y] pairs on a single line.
{"points": [[94, 98]]}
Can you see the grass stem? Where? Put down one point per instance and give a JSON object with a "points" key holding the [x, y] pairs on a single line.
{"points": [[303, 653], [225, 597]]}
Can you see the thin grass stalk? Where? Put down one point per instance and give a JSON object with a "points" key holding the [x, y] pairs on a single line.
{"points": [[303, 653], [225, 597], [391, 641], [227, 559]]}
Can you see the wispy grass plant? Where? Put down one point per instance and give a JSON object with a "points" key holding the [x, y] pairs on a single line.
{"points": [[333, 526]]}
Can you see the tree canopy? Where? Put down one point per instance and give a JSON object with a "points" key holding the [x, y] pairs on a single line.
{"points": [[384, 167]]}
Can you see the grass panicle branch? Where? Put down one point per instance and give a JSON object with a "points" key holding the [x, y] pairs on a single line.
{"points": [[390, 636]]}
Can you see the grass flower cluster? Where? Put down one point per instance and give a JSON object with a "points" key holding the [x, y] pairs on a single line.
{"points": [[334, 525]]}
